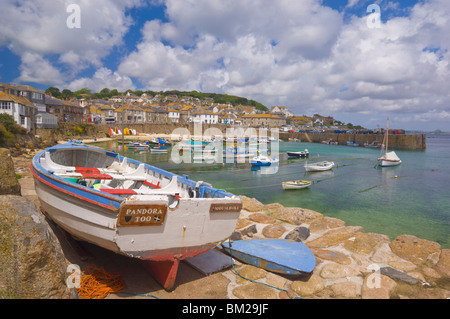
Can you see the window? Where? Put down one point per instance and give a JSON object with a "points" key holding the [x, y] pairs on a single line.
{"points": [[37, 96], [5, 105]]}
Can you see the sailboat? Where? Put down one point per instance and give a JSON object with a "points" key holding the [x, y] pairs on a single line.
{"points": [[388, 158]]}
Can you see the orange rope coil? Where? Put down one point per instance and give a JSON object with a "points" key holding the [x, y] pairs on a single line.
{"points": [[97, 283]]}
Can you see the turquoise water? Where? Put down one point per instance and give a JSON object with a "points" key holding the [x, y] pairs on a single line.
{"points": [[412, 198]]}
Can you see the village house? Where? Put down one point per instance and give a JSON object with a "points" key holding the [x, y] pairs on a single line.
{"points": [[263, 120], [227, 116], [95, 115], [129, 113], [46, 120], [19, 108], [36, 97], [299, 120], [245, 109], [108, 114], [205, 117], [281, 110], [64, 111], [159, 115], [174, 115]]}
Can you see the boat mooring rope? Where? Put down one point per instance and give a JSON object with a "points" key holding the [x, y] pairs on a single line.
{"points": [[257, 282]]}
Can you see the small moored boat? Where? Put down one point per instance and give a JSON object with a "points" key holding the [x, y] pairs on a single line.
{"points": [[388, 158], [138, 146], [319, 167], [300, 154], [159, 149], [132, 208], [295, 184], [263, 160], [286, 257]]}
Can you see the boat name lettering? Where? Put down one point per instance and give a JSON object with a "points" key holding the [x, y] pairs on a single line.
{"points": [[144, 211], [218, 208], [141, 215]]}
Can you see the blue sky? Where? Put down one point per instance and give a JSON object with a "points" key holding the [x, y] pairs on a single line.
{"points": [[313, 56]]}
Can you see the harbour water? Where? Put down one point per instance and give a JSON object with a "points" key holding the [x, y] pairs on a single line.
{"points": [[412, 198]]}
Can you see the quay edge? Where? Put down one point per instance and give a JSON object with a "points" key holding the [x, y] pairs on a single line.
{"points": [[400, 141]]}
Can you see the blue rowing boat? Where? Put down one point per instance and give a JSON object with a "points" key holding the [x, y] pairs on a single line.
{"points": [[281, 256]]}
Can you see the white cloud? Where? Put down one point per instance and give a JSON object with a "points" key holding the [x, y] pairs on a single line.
{"points": [[35, 68], [40, 27], [300, 54], [103, 78]]}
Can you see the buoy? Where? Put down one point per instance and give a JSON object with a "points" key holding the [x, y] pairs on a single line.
{"points": [[395, 176]]}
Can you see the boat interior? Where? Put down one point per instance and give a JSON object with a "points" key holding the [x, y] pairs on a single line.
{"points": [[116, 175]]}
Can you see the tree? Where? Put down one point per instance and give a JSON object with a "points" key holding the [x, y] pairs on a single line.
{"points": [[53, 92], [8, 122], [66, 94], [78, 94]]}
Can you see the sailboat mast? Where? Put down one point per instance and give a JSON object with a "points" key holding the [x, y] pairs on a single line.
{"points": [[387, 134]]}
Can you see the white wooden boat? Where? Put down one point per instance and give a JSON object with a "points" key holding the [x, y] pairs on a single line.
{"points": [[318, 167], [386, 158], [295, 184], [132, 208]]}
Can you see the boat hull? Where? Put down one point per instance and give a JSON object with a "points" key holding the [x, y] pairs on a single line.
{"points": [[384, 163], [294, 186], [318, 168], [296, 154], [259, 163], [284, 257], [184, 232]]}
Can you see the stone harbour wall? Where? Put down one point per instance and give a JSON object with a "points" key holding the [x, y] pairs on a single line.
{"points": [[350, 264], [400, 141]]}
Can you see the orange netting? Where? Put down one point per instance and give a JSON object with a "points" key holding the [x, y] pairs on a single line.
{"points": [[96, 283]]}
